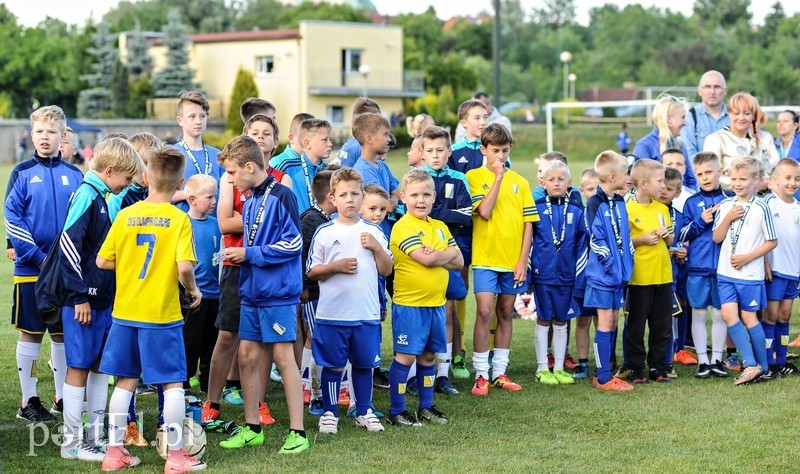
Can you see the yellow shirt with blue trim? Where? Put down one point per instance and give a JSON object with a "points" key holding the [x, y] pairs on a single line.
{"points": [[147, 240], [497, 242], [651, 263], [414, 283]]}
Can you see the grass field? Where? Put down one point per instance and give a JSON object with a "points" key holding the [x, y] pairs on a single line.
{"points": [[687, 426]]}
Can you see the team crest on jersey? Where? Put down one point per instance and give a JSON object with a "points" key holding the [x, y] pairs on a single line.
{"points": [[402, 339], [515, 188], [35, 179], [569, 218], [65, 180], [448, 190]]}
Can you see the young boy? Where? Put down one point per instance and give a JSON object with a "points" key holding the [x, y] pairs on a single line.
{"points": [[253, 105], [193, 110], [573, 194], [503, 211], [270, 285], [783, 264], [315, 139], [294, 148], [453, 206], [423, 252], [149, 244], [701, 286], [466, 154], [68, 148], [610, 263], [560, 241], [264, 130], [674, 158], [351, 150], [37, 197], [744, 228], [90, 293], [346, 256], [650, 286]]}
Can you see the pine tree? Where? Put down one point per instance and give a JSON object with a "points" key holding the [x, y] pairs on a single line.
{"points": [[97, 100], [141, 90], [176, 75], [139, 62], [244, 88], [120, 88]]}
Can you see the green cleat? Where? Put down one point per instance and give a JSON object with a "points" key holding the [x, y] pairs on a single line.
{"points": [[293, 443], [242, 437], [546, 377], [563, 377], [459, 368]]}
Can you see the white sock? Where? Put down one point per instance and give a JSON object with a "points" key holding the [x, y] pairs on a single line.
{"points": [[118, 416], [73, 403], [700, 334], [540, 343], [305, 369], [443, 367], [27, 357], [316, 381], [500, 362], [96, 398], [412, 371], [346, 377], [719, 333], [174, 413], [480, 361], [58, 357], [560, 337]]}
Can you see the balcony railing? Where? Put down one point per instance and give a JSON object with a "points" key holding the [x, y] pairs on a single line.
{"points": [[383, 81]]}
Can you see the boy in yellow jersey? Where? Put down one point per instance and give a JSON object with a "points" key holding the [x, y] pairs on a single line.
{"points": [[502, 229], [424, 251], [149, 243]]}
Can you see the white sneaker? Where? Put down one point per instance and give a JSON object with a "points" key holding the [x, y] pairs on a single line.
{"points": [[328, 423], [102, 444], [83, 452], [369, 421]]}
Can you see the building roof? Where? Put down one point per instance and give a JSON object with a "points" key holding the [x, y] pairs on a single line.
{"points": [[259, 35]]}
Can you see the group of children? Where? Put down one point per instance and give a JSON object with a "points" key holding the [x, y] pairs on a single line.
{"points": [[295, 268]]}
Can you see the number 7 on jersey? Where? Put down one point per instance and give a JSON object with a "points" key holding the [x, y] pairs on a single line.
{"points": [[150, 241]]}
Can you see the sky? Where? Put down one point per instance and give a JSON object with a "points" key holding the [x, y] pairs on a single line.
{"points": [[29, 13]]}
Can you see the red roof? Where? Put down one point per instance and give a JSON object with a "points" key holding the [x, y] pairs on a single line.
{"points": [[260, 35]]}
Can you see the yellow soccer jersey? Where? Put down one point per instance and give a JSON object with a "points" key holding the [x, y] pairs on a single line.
{"points": [[651, 263], [497, 243], [415, 284], [147, 241]]}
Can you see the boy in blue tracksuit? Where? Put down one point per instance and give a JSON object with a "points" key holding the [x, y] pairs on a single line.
{"points": [[36, 203], [573, 194], [610, 263], [351, 150], [466, 155]]}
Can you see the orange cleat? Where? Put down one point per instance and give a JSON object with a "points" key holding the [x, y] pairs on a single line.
{"points": [[344, 397], [264, 415], [685, 357], [506, 384], [481, 387], [614, 384], [208, 414], [134, 437]]}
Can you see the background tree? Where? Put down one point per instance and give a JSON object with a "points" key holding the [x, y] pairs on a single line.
{"points": [[176, 76], [139, 61], [244, 88], [261, 14], [141, 90], [96, 101], [290, 18], [120, 88]]}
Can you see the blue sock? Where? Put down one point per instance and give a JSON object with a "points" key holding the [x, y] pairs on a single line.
{"points": [[769, 334], [330, 380], [361, 381], [398, 374], [160, 391], [740, 337], [759, 342], [781, 343], [602, 354], [680, 344], [426, 375], [132, 409], [670, 350]]}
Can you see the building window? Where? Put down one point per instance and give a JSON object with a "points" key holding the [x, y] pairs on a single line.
{"points": [[336, 114], [351, 61], [264, 65]]}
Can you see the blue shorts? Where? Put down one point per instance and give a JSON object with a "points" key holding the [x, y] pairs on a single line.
{"points": [[334, 345], [780, 289], [491, 281], [309, 310], [268, 324], [25, 314], [748, 297], [582, 309], [554, 302], [417, 330], [604, 299], [84, 343], [676, 305], [702, 291], [456, 289], [158, 354]]}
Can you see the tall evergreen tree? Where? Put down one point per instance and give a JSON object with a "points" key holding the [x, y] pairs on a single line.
{"points": [[139, 62], [141, 90], [244, 87], [176, 76], [96, 101], [120, 88]]}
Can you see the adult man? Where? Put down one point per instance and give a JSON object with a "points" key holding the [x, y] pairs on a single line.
{"points": [[494, 116], [706, 118]]}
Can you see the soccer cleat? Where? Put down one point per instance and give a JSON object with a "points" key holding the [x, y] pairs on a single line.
{"points": [[659, 376], [703, 371], [569, 362], [613, 385], [328, 423], [563, 377], [243, 436], [624, 373], [118, 458], [771, 374], [351, 412], [315, 407], [208, 414], [134, 436], [671, 372], [146, 389], [481, 387], [57, 407], [732, 363], [369, 422], [306, 397], [788, 369], [380, 378], [432, 415], [294, 443], [275, 375], [404, 418], [459, 368], [546, 377], [34, 411], [183, 463], [638, 377], [102, 443], [82, 451], [796, 342], [444, 386], [551, 361], [411, 387], [685, 357], [264, 415], [718, 370], [505, 383], [748, 375], [232, 396], [228, 427], [344, 397], [581, 371]]}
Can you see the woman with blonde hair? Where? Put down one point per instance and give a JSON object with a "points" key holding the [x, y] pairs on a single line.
{"points": [[418, 123], [669, 117]]}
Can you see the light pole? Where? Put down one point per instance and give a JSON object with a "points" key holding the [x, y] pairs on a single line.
{"points": [[566, 57], [364, 70], [572, 78]]}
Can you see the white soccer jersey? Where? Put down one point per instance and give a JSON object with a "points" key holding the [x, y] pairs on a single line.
{"points": [[680, 201], [755, 229], [342, 297], [785, 259]]}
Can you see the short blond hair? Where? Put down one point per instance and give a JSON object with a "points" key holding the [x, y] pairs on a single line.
{"points": [[50, 113], [240, 151], [142, 141], [587, 174], [376, 189], [346, 175], [200, 183], [416, 176], [747, 163], [645, 169], [555, 165], [165, 168], [606, 162], [117, 154]]}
